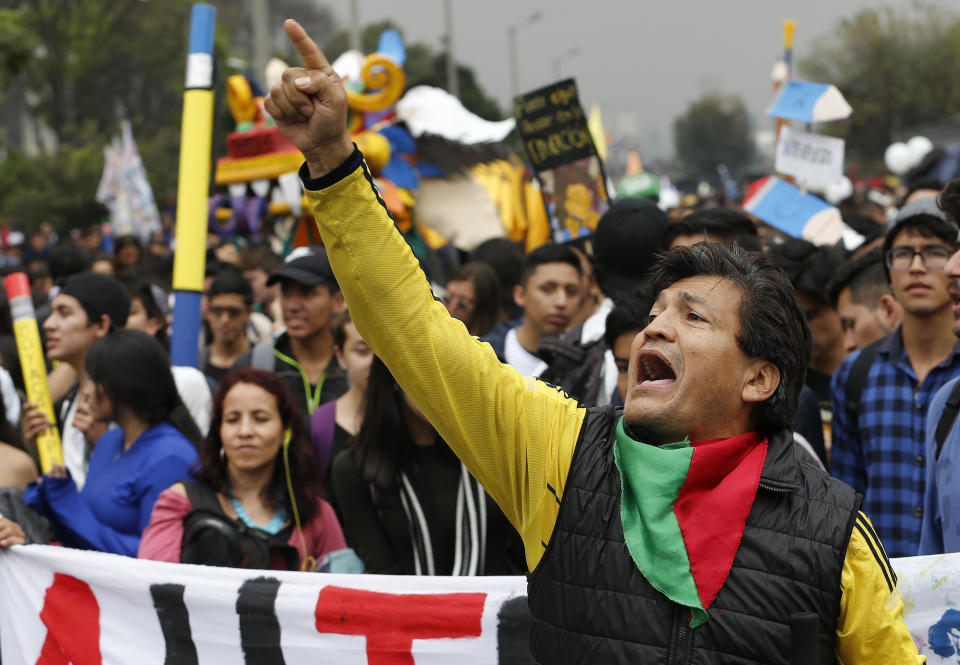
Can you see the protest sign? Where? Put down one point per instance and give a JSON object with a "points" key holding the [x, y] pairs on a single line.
{"points": [[811, 158], [557, 139], [62, 606]]}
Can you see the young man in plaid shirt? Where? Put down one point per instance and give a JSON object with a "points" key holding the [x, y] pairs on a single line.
{"points": [[878, 442]]}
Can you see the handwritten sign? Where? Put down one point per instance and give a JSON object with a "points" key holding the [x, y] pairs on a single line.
{"points": [[812, 158], [558, 143]]}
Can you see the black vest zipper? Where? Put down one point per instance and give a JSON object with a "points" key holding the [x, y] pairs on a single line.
{"points": [[680, 651]]}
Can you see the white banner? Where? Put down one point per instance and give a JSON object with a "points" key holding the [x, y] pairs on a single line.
{"points": [[60, 606], [811, 158]]}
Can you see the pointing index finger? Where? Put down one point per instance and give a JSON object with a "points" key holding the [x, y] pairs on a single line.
{"points": [[310, 53]]}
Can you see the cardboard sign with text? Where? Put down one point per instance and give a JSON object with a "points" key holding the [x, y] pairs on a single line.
{"points": [[555, 134], [811, 158]]}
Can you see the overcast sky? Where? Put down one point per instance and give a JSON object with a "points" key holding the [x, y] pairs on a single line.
{"points": [[642, 61]]}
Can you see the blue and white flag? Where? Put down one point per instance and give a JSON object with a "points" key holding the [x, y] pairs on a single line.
{"points": [[809, 102], [793, 211]]}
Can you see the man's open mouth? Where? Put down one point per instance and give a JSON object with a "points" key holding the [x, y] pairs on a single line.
{"points": [[654, 367]]}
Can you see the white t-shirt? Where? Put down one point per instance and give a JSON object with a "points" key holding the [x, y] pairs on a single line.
{"points": [[76, 455], [525, 362], [195, 394], [11, 400], [593, 329]]}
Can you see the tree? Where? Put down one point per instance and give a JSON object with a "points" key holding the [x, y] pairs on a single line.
{"points": [[896, 68], [714, 130], [78, 67], [424, 66], [91, 64]]}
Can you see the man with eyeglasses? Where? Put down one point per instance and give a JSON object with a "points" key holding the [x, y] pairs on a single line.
{"points": [[230, 303], [878, 435]]}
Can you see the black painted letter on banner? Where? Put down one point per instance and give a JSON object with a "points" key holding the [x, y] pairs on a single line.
{"points": [[259, 627], [175, 624]]}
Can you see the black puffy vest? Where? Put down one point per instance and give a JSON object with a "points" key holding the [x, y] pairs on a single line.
{"points": [[590, 603]]}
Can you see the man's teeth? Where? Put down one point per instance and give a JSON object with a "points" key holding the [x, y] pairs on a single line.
{"points": [[651, 373]]}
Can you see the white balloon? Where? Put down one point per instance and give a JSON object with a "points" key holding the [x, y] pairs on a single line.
{"points": [[898, 158], [920, 147], [839, 191]]}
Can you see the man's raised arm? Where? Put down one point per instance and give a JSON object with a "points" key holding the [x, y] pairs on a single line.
{"points": [[515, 434]]}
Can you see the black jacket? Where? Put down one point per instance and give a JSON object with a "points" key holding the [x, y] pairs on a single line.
{"points": [[591, 604]]}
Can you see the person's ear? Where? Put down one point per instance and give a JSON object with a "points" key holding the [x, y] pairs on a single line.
{"points": [[519, 295], [154, 325], [103, 326], [762, 381], [889, 311], [339, 304]]}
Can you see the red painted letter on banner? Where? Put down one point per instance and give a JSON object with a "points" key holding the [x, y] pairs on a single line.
{"points": [[72, 617], [391, 622]]}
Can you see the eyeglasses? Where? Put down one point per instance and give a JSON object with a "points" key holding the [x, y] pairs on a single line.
{"points": [[231, 312], [934, 257], [457, 302]]}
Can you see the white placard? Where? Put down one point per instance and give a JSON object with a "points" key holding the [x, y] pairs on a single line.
{"points": [[811, 158]]}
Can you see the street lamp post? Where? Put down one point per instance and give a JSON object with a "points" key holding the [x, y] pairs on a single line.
{"points": [[569, 53], [453, 85], [512, 46]]}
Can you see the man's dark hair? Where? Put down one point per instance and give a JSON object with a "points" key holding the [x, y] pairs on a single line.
{"points": [[506, 259], [486, 289], [949, 200], [229, 280], [865, 225], [720, 224], [808, 266], [865, 278], [153, 299], [927, 226], [772, 323], [629, 313], [926, 182], [65, 260], [338, 324], [260, 257], [549, 253]]}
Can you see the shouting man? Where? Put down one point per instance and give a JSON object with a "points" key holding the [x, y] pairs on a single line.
{"points": [[684, 528]]}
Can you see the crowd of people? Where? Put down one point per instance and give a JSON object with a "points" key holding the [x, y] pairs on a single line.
{"points": [[299, 443]]}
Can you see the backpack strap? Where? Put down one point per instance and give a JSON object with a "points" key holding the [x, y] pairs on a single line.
{"points": [[323, 424], [947, 418], [857, 379], [202, 497]]}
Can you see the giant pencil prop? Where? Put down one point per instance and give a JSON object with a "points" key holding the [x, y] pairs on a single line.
{"points": [[193, 187], [32, 364]]}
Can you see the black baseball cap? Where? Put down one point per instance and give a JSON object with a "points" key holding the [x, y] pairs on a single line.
{"points": [[626, 243], [308, 266]]}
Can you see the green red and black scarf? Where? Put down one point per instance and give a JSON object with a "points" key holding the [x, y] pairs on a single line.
{"points": [[683, 508]]}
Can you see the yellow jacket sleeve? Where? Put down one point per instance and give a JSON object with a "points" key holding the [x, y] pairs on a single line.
{"points": [[870, 628], [516, 435]]}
